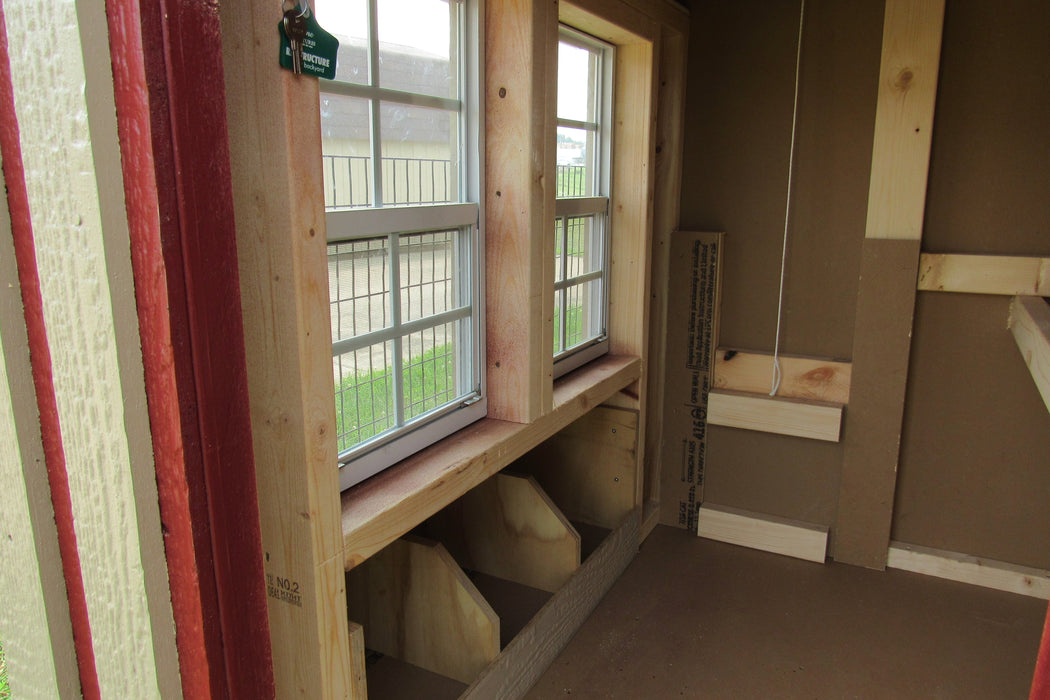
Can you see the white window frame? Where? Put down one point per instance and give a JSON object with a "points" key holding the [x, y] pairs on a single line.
{"points": [[596, 206], [381, 451]]}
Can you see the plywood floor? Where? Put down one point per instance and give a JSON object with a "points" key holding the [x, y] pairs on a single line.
{"points": [[699, 619]]}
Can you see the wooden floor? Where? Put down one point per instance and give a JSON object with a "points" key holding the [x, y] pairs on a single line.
{"points": [[699, 619]]}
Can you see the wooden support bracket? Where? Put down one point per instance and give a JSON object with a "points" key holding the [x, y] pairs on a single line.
{"points": [[808, 419], [1030, 324], [416, 604], [984, 274], [801, 377], [507, 527]]}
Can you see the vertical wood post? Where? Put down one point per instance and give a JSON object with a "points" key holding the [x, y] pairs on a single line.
{"points": [[911, 44], [275, 157], [521, 68]]}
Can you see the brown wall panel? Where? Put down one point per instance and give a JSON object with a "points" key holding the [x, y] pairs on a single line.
{"points": [[974, 475], [738, 131], [975, 456]]}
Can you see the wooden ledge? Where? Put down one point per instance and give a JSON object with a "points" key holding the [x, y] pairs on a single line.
{"points": [[386, 506]]}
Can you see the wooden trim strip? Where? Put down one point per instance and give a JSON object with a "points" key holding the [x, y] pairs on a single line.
{"points": [[801, 377], [381, 509], [808, 419], [769, 533], [984, 274], [969, 569], [1030, 324]]}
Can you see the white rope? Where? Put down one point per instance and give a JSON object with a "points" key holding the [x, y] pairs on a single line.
{"points": [[787, 206]]}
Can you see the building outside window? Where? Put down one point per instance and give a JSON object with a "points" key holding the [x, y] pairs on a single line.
{"points": [[581, 247], [401, 160]]}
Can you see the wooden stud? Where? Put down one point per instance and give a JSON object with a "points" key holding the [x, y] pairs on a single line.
{"points": [[509, 528], [416, 604], [670, 121], [358, 674], [968, 569], [801, 377], [768, 533], [911, 49], [520, 665], [589, 467], [521, 68], [797, 417], [984, 274], [391, 503], [1030, 325], [275, 162], [911, 41]]}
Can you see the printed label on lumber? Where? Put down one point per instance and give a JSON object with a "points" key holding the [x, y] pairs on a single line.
{"points": [[692, 329]]}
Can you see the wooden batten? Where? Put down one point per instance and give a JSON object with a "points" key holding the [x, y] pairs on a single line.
{"points": [[417, 605], [796, 417], [984, 274], [969, 569], [507, 527], [1030, 325], [907, 89], [588, 469], [801, 377], [768, 533]]}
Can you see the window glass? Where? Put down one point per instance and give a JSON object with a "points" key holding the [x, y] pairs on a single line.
{"points": [[418, 46], [347, 20], [420, 155]]}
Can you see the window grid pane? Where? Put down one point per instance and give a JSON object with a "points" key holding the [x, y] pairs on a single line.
{"points": [[428, 274], [358, 287], [364, 394], [430, 359]]}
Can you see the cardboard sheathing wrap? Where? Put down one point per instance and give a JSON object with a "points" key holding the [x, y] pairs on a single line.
{"points": [[693, 299]]}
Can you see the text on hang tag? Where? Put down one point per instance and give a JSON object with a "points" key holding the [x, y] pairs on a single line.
{"points": [[315, 53]]}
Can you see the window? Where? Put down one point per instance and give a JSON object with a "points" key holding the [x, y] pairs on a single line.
{"points": [[581, 247], [400, 153]]}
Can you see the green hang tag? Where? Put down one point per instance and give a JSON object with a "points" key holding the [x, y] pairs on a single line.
{"points": [[320, 50]]}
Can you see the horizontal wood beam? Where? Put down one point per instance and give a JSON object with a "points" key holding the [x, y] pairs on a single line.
{"points": [[801, 377], [768, 533], [808, 419], [984, 274], [1030, 324]]}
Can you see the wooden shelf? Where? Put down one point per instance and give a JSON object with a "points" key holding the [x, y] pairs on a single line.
{"points": [[381, 509]]}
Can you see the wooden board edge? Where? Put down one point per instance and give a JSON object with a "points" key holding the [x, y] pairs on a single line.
{"points": [[358, 680], [525, 659], [977, 571], [1029, 322], [768, 533], [783, 416], [1006, 275], [812, 378]]}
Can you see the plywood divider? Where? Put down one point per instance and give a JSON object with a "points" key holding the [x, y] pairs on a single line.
{"points": [[969, 569], [521, 664], [509, 528], [984, 274], [1030, 324], [588, 469], [417, 605], [801, 377], [768, 414], [768, 533]]}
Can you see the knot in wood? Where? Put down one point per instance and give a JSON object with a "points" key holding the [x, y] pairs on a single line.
{"points": [[904, 79]]}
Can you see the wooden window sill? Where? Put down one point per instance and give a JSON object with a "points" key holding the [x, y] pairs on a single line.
{"points": [[386, 506]]}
